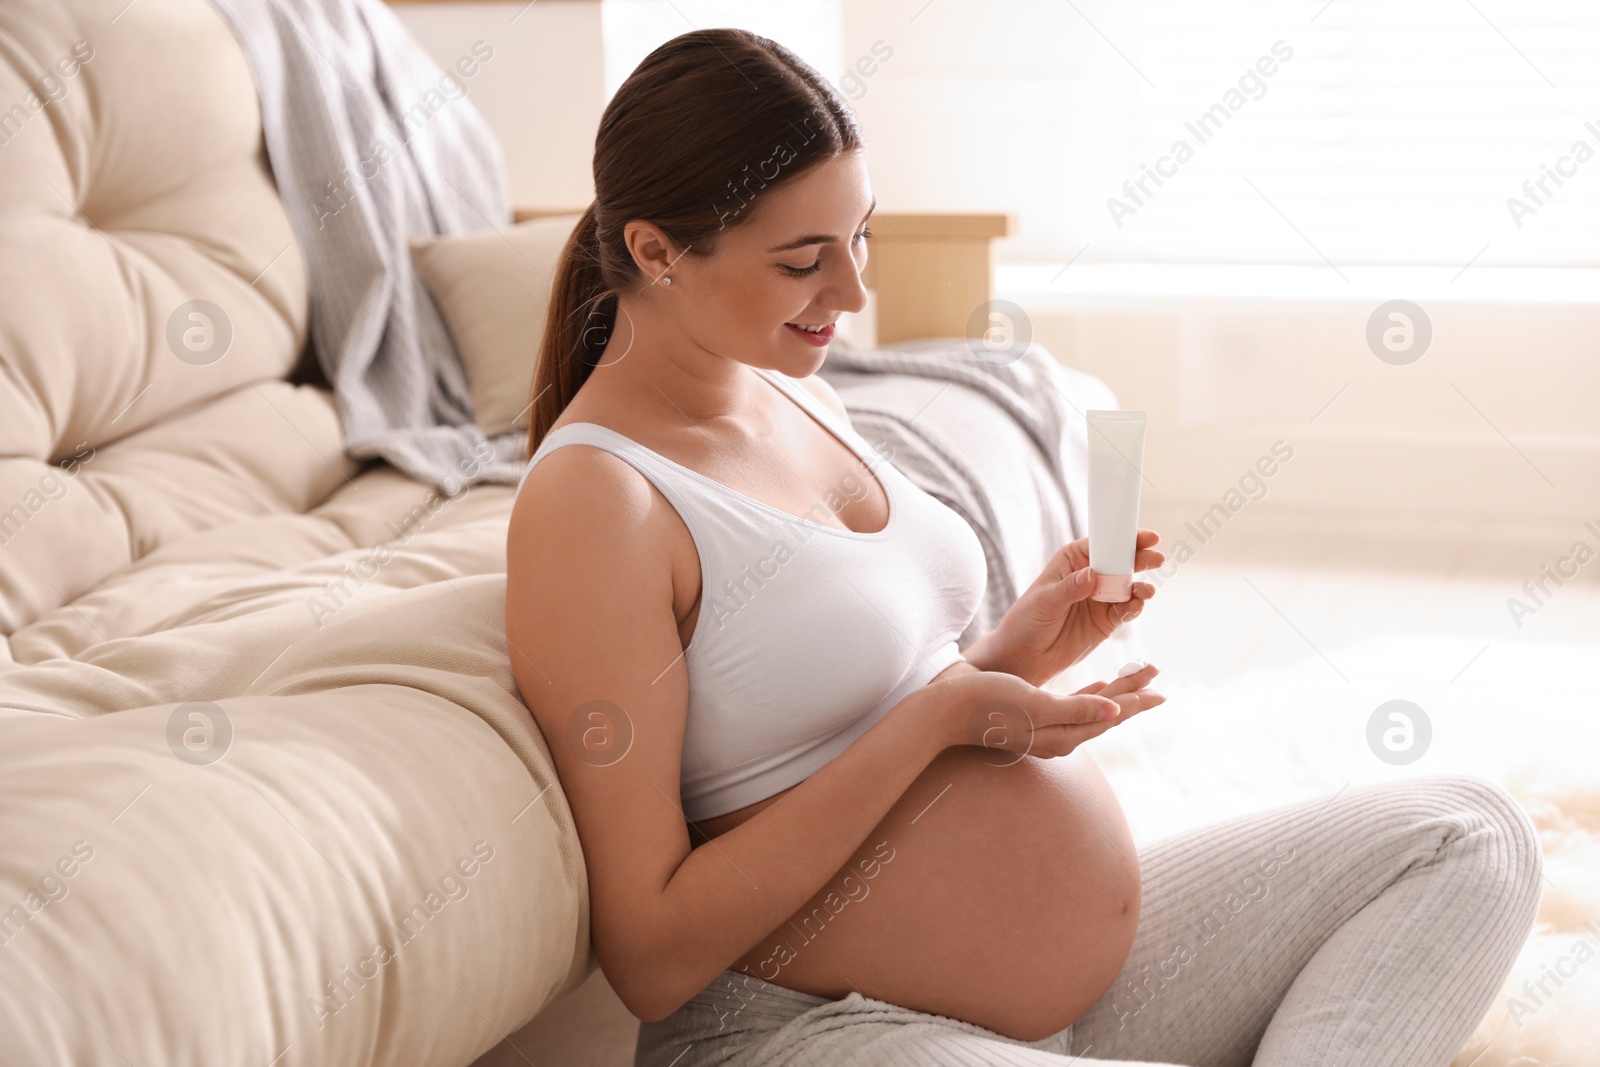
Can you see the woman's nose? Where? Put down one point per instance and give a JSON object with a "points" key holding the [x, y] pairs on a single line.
{"points": [[849, 293]]}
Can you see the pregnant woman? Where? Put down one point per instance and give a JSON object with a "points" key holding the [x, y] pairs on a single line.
{"points": [[816, 830]]}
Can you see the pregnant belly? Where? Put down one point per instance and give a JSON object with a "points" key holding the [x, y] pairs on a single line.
{"points": [[1006, 896]]}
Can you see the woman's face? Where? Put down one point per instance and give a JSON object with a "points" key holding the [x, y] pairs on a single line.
{"points": [[794, 260]]}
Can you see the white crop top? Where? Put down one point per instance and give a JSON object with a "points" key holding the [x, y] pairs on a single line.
{"points": [[807, 633]]}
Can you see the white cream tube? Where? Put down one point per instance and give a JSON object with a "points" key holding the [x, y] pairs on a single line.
{"points": [[1116, 459]]}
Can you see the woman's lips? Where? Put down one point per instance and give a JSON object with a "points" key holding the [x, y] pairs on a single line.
{"points": [[819, 339]]}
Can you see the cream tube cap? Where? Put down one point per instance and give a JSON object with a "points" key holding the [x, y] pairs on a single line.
{"points": [[1112, 587]]}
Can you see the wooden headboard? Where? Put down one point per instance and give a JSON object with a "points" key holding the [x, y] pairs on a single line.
{"points": [[929, 273]]}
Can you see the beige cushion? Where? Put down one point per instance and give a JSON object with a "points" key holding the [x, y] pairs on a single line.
{"points": [[493, 289], [125, 195]]}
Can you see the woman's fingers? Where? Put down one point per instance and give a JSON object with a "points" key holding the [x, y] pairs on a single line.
{"points": [[1146, 555], [1133, 703], [1075, 555], [1087, 709], [1064, 738], [1129, 694], [1017, 717], [1130, 704], [1127, 683]]}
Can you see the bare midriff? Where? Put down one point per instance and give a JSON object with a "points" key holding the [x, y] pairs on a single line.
{"points": [[1000, 890]]}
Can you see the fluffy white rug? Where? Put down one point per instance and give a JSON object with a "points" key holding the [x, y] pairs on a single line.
{"points": [[1258, 716], [1548, 1012]]}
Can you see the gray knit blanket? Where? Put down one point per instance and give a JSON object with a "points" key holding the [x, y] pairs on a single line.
{"points": [[1003, 445], [371, 143]]}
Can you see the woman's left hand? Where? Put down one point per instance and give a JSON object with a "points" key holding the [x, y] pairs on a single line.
{"points": [[1054, 624]]}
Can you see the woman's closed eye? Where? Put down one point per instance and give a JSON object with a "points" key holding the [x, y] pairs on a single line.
{"points": [[801, 272]]}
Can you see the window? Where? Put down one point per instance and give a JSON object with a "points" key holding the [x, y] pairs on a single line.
{"points": [[1356, 131]]}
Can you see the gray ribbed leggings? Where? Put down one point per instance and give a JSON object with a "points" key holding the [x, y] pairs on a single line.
{"points": [[1369, 928]]}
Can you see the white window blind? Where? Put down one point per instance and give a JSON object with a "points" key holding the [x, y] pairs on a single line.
{"points": [[1395, 133]]}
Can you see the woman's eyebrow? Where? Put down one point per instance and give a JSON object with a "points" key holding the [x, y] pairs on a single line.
{"points": [[819, 238]]}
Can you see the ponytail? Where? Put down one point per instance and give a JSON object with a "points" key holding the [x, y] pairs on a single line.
{"points": [[582, 314]]}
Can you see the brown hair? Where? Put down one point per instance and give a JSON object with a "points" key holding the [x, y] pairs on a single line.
{"points": [[703, 125]]}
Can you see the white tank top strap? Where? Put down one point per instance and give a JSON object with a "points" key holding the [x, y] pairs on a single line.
{"points": [[641, 458], [825, 414]]}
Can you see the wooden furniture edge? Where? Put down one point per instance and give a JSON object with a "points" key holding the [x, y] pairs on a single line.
{"points": [[932, 274]]}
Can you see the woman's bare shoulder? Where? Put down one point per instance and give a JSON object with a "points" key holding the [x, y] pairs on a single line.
{"points": [[578, 484], [589, 522]]}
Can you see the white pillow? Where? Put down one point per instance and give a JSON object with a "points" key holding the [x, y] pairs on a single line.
{"points": [[493, 289]]}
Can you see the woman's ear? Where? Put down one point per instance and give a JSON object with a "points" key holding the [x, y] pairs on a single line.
{"points": [[652, 250]]}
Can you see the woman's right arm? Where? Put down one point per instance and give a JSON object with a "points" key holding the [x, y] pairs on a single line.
{"points": [[593, 634]]}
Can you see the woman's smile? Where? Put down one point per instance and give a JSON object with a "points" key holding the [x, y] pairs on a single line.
{"points": [[813, 335]]}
